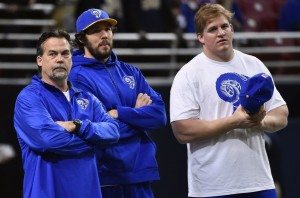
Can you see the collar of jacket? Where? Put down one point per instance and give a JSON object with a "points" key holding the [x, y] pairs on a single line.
{"points": [[79, 59], [37, 80]]}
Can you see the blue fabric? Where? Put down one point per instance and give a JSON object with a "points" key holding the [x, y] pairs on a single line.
{"points": [[260, 194], [90, 17], [189, 15], [128, 191], [289, 19], [117, 84], [58, 163], [257, 90]]}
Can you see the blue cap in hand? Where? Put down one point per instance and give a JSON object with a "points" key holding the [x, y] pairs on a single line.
{"points": [[257, 90]]}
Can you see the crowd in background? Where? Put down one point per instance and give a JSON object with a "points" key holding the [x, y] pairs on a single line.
{"points": [[178, 15], [164, 16], [174, 15]]}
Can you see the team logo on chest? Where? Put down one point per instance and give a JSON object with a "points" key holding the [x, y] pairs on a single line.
{"points": [[83, 103], [130, 81]]}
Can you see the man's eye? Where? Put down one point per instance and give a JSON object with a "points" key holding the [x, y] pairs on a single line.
{"points": [[92, 31], [212, 29], [108, 29], [225, 26], [96, 30], [67, 54]]}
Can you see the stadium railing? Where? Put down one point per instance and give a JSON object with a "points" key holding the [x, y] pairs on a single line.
{"points": [[161, 61]]}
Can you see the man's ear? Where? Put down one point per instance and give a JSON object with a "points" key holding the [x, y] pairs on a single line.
{"points": [[79, 38], [200, 38], [39, 61], [231, 26]]}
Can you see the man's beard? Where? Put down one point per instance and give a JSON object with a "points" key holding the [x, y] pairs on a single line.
{"points": [[59, 74], [97, 54]]}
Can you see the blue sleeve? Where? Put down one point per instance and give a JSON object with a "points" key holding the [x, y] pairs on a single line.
{"points": [[37, 129], [103, 129], [79, 81], [288, 17], [147, 117]]}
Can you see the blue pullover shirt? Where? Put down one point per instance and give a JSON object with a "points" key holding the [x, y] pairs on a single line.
{"points": [[58, 163], [116, 84]]}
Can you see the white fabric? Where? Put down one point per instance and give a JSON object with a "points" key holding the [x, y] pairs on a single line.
{"points": [[235, 162], [67, 94]]}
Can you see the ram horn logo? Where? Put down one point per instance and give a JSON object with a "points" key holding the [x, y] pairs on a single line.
{"points": [[130, 81], [96, 12], [83, 103], [229, 86]]}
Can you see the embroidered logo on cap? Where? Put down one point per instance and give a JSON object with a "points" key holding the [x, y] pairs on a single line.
{"points": [[97, 13]]}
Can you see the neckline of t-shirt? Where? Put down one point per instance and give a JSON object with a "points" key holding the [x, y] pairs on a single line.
{"points": [[221, 63], [67, 94]]}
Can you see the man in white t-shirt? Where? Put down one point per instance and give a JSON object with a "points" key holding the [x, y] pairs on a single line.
{"points": [[226, 149]]}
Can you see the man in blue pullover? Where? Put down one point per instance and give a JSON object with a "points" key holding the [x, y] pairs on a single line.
{"points": [[128, 167], [59, 127]]}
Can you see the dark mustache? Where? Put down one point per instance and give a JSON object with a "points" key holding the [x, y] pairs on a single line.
{"points": [[105, 42], [60, 67]]}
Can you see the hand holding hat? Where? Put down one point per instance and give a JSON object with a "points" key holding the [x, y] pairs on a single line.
{"points": [[257, 90]]}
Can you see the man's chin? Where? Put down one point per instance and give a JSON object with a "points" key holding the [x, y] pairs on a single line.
{"points": [[60, 76], [102, 56]]}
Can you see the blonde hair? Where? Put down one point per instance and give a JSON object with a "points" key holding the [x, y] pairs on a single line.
{"points": [[208, 12]]}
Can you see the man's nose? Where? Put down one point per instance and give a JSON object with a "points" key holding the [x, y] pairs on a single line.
{"points": [[221, 31], [60, 58], [103, 33]]}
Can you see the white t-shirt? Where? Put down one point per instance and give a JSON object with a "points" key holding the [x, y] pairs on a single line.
{"points": [[235, 162], [67, 94]]}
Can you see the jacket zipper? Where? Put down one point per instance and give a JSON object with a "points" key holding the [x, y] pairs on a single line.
{"points": [[118, 93]]}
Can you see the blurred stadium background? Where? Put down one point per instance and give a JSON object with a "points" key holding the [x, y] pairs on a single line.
{"points": [[269, 30]]}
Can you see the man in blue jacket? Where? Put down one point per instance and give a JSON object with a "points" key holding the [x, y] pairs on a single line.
{"points": [[128, 167], [59, 127]]}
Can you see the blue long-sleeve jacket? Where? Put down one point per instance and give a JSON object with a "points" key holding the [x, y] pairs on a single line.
{"points": [[116, 84], [58, 163]]}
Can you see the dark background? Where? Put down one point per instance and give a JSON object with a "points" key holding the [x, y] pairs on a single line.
{"points": [[285, 157]]}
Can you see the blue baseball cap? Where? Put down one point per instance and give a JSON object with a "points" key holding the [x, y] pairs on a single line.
{"points": [[257, 90], [92, 16]]}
